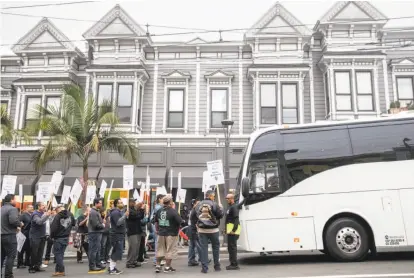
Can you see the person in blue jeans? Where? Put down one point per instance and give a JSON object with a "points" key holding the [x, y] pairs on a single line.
{"points": [[158, 205], [209, 214], [59, 231], [96, 227]]}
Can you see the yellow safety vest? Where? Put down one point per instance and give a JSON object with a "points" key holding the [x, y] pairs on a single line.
{"points": [[230, 226]]}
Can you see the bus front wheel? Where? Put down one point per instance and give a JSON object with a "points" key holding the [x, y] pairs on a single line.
{"points": [[347, 240]]}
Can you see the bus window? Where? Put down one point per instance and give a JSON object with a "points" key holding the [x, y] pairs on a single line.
{"points": [[264, 176], [382, 142], [317, 150]]}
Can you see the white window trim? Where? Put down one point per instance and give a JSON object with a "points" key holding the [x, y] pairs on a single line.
{"points": [[167, 88], [8, 99], [213, 84]]}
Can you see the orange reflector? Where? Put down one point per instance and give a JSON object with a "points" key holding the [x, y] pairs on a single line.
{"points": [[285, 126], [296, 239], [294, 213]]}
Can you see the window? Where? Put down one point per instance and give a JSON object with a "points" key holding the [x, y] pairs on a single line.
{"points": [[362, 34], [150, 56], [268, 103], [10, 69], [139, 106], [218, 107], [36, 62], [166, 55], [189, 55], [365, 99], [405, 90], [267, 47], [124, 99], [288, 44], [104, 94], [32, 114], [289, 104], [56, 61], [340, 34], [343, 91], [176, 108], [107, 47], [127, 46], [53, 103]]}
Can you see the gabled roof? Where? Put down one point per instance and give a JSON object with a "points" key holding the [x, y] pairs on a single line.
{"points": [[176, 74], [45, 35], [353, 10], [219, 74], [278, 20], [116, 22]]}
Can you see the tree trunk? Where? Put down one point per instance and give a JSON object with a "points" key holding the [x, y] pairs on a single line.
{"points": [[84, 185]]}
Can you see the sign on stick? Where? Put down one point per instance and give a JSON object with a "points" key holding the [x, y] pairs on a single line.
{"points": [[215, 169]]}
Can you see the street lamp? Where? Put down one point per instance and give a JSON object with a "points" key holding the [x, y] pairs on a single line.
{"points": [[227, 125]]}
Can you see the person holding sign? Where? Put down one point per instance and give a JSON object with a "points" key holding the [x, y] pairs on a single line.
{"points": [[95, 230], [38, 237], [25, 217], [233, 231], [9, 224]]}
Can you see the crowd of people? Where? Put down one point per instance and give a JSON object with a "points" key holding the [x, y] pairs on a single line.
{"points": [[102, 234]]}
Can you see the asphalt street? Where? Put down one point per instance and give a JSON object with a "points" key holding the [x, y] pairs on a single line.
{"points": [[252, 265]]}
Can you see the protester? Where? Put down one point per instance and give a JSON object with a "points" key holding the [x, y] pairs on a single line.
{"points": [[142, 255], [233, 231], [105, 243], [134, 234], [158, 205], [49, 240], [25, 218], [117, 233], [209, 215], [81, 236], [194, 246], [167, 223], [59, 232], [9, 226], [38, 237], [95, 229]]}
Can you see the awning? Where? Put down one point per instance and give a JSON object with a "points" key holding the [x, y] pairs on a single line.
{"points": [[77, 173]]}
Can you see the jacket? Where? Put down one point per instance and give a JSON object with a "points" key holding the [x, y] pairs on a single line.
{"points": [[134, 221], [26, 219], [62, 224], [217, 212], [95, 223], [118, 223], [38, 225], [9, 219]]}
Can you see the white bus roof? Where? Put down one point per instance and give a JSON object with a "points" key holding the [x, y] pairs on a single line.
{"points": [[402, 115]]}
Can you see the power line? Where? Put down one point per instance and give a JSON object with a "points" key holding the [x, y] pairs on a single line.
{"points": [[45, 5]]}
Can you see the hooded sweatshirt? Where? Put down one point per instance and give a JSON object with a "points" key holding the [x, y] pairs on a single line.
{"points": [[62, 224]]}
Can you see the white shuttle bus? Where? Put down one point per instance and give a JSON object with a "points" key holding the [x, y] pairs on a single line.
{"points": [[343, 188]]}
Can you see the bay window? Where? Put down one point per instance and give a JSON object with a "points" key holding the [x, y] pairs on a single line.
{"points": [[176, 108], [343, 91], [218, 107], [289, 104], [124, 105], [268, 104], [364, 92], [405, 91]]}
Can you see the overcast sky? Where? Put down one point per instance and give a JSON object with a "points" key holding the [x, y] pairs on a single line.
{"points": [[203, 14]]}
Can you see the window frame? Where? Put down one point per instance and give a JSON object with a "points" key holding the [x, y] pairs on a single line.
{"points": [[26, 109], [117, 102], [398, 89], [350, 90], [297, 100], [357, 94], [211, 105], [260, 102], [98, 92], [176, 112]]}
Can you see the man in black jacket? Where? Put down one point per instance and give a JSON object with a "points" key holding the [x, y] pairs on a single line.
{"points": [[209, 215], [25, 218], [134, 234], [9, 224], [37, 236], [117, 233], [59, 231], [95, 229]]}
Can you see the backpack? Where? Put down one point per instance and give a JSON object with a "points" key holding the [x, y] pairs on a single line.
{"points": [[206, 218]]}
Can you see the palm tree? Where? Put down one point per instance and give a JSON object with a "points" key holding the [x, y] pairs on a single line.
{"points": [[10, 135], [80, 127]]}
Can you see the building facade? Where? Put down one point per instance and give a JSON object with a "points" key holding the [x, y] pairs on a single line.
{"points": [[173, 96]]}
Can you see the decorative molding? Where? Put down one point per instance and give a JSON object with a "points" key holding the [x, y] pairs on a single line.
{"points": [[365, 6], [178, 75], [45, 25], [116, 12], [278, 10]]}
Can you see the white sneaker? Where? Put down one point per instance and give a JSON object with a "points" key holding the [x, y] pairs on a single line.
{"points": [[44, 266]]}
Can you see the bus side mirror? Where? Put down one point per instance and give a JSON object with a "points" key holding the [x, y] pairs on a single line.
{"points": [[245, 184]]}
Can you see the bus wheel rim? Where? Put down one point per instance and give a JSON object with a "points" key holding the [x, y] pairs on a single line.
{"points": [[348, 240]]}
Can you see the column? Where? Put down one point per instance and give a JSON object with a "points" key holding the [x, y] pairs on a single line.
{"points": [[257, 97], [332, 92], [154, 92], [141, 104], [376, 91], [208, 107], [279, 104], [18, 108], [229, 116], [386, 89], [312, 89], [186, 107], [164, 114], [301, 91], [354, 90], [254, 102], [87, 86], [197, 96], [394, 83], [135, 101], [240, 90], [94, 87], [114, 92]]}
